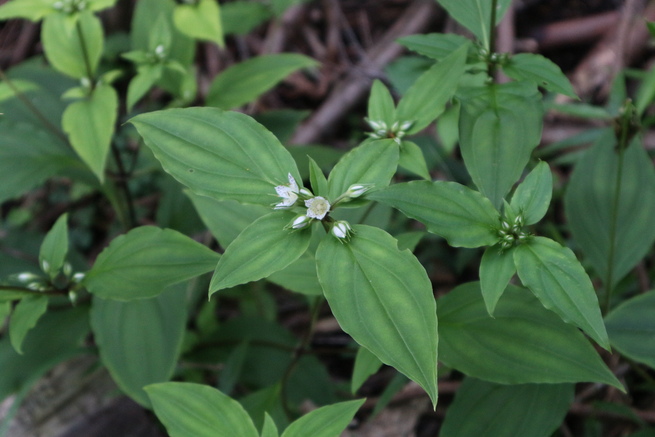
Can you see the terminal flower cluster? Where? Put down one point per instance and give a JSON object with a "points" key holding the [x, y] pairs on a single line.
{"points": [[511, 232], [395, 132]]}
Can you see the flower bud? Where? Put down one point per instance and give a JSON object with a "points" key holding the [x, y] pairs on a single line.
{"points": [[300, 222], [342, 230], [26, 277], [357, 190]]}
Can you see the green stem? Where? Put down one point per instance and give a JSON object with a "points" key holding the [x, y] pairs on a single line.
{"points": [[491, 63], [615, 215]]}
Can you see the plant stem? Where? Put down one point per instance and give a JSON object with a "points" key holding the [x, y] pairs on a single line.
{"points": [[491, 63]]}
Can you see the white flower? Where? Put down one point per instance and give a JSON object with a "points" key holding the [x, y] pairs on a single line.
{"points": [[288, 193], [342, 230], [317, 207]]}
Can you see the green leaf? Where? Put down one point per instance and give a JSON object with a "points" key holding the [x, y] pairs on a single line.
{"points": [[631, 328], [327, 421], [263, 248], [590, 201], [147, 76], [225, 155], [33, 10], [139, 341], [496, 270], [269, 429], [554, 275], [532, 196], [241, 17], [197, 410], [232, 365], [299, 276], [540, 70], [226, 219], [534, 410], [382, 298], [412, 159], [381, 106], [317, 178], [89, 124], [64, 48], [201, 21], [475, 15], [581, 110], [366, 364], [646, 92], [55, 247], [462, 216], [141, 263], [522, 343], [245, 81], [434, 45], [373, 162], [499, 126], [24, 317], [426, 99]]}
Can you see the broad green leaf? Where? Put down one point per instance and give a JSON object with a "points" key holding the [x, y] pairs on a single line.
{"points": [[226, 219], [327, 421], [373, 162], [317, 178], [225, 155], [245, 81], [141, 263], [499, 126], [89, 124], [64, 48], [434, 45], [412, 159], [426, 99], [532, 197], [448, 127], [522, 343], [232, 365], [382, 298], [299, 276], [9, 295], [475, 15], [496, 270], [263, 248], [631, 328], [381, 106], [198, 410], [555, 276], [139, 341], [147, 76], [240, 17], [269, 429], [24, 317], [590, 201], [534, 410], [540, 70], [33, 10], [366, 364], [201, 21], [462, 216], [55, 247]]}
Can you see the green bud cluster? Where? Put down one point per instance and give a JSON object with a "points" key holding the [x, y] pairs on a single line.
{"points": [[395, 132], [70, 6], [511, 233]]}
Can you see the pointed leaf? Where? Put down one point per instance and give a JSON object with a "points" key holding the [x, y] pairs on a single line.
{"points": [[139, 341], [589, 202], [245, 81], [225, 155], [269, 429], [55, 247], [381, 106], [327, 421], [382, 297], [412, 159], [24, 317], [366, 364], [201, 21], [540, 70], [532, 196], [263, 248], [63, 46], [426, 99], [499, 126], [317, 178], [631, 328], [434, 45], [198, 410], [522, 343], [33, 10], [555, 276], [89, 124], [299, 276], [534, 410], [373, 162], [496, 270], [462, 216], [475, 15], [141, 263], [146, 78]]}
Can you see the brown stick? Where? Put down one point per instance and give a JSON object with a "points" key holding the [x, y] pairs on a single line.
{"points": [[351, 89]]}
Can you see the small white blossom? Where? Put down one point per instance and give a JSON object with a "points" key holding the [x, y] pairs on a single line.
{"points": [[317, 207], [26, 277], [78, 277], [357, 190], [45, 266], [288, 193], [342, 230], [300, 222]]}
